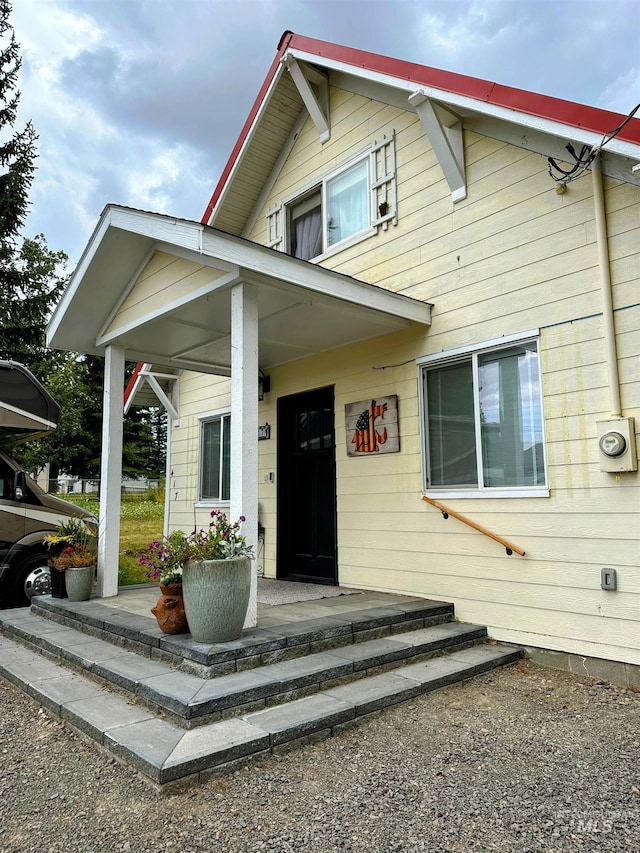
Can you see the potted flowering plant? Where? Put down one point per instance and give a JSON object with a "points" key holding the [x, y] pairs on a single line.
{"points": [[163, 562], [215, 568], [163, 559], [73, 551]]}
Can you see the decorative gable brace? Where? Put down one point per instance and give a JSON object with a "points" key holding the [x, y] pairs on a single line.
{"points": [[446, 142], [304, 76]]}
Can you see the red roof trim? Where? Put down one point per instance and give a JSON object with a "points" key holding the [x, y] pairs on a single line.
{"points": [[542, 106], [131, 386], [282, 47]]}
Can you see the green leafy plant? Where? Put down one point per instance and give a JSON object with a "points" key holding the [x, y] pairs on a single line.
{"points": [[75, 543]]}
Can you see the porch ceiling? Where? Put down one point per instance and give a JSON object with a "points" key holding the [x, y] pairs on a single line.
{"points": [[160, 287]]}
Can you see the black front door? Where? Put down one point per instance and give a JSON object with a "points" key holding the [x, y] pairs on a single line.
{"points": [[307, 487]]}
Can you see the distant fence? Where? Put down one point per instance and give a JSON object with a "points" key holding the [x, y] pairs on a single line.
{"points": [[76, 486]]}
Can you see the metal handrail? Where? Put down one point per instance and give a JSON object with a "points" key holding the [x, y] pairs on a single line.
{"points": [[447, 512]]}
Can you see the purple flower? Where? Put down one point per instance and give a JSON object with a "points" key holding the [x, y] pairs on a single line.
{"points": [[242, 518]]}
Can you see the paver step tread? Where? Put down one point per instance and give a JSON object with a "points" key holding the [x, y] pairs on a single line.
{"points": [[164, 752], [191, 697], [347, 626]]}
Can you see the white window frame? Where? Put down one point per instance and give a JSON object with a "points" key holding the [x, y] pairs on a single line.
{"points": [[464, 353], [381, 180], [208, 418]]}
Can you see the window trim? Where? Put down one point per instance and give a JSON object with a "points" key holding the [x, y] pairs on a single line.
{"points": [[380, 157], [450, 357], [209, 417], [320, 186]]}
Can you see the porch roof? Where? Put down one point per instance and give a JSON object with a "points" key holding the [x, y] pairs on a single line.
{"points": [[160, 287]]}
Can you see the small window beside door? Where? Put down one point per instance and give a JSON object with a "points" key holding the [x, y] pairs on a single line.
{"points": [[215, 458]]}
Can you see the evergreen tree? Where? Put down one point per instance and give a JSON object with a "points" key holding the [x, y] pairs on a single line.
{"points": [[18, 150], [31, 276], [32, 280]]}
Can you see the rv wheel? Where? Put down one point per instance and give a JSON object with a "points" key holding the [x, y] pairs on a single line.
{"points": [[33, 578]]}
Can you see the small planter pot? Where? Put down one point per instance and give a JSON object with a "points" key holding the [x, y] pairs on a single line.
{"points": [[216, 598], [169, 610], [79, 582], [58, 582]]}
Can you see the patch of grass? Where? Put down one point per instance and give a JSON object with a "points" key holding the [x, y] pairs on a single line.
{"points": [[141, 521]]}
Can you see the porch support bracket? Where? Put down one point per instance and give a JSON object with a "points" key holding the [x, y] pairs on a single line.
{"points": [[447, 143], [111, 472], [318, 106], [244, 424]]}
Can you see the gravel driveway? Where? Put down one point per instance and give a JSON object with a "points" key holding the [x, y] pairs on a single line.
{"points": [[521, 759]]}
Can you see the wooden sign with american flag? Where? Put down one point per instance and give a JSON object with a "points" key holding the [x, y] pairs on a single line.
{"points": [[372, 426]]}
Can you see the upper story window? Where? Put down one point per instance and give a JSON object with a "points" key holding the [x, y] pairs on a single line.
{"points": [[215, 458], [346, 206], [482, 421]]}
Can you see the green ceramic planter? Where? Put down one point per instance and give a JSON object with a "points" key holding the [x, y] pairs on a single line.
{"points": [[79, 582], [216, 597]]}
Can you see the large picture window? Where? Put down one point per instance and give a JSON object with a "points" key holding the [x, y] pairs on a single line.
{"points": [[483, 422], [215, 458]]}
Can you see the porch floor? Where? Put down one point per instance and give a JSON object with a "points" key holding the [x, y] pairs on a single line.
{"points": [[279, 602]]}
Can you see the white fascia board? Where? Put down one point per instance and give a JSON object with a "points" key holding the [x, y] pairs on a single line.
{"points": [[247, 141], [464, 102], [178, 363], [159, 227], [319, 280], [254, 258], [78, 274], [136, 385]]}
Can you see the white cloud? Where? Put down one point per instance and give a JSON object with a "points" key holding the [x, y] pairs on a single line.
{"points": [[139, 102], [623, 93]]}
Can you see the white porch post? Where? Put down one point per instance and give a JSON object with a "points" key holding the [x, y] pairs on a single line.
{"points": [[111, 471], [244, 423]]}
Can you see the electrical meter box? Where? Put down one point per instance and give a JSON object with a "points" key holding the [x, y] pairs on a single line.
{"points": [[617, 445]]}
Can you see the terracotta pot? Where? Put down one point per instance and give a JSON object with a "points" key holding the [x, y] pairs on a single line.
{"points": [[169, 610]]}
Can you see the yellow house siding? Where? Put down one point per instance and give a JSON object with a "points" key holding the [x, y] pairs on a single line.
{"points": [[513, 256], [164, 280]]}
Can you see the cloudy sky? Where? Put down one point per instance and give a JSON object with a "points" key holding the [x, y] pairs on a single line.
{"points": [[139, 102]]}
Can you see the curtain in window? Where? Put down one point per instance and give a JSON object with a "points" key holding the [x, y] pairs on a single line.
{"points": [[306, 227], [307, 235], [348, 203]]}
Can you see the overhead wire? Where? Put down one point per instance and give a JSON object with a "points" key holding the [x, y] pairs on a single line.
{"points": [[588, 153]]}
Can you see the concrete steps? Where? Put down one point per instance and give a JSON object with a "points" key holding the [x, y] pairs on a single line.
{"points": [[174, 708]]}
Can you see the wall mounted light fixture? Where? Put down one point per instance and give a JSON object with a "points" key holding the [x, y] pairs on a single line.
{"points": [[264, 384]]}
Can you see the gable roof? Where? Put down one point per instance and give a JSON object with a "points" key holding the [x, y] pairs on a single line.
{"points": [[488, 108]]}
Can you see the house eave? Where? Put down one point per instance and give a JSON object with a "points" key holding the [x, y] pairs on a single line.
{"points": [[292, 292]]}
